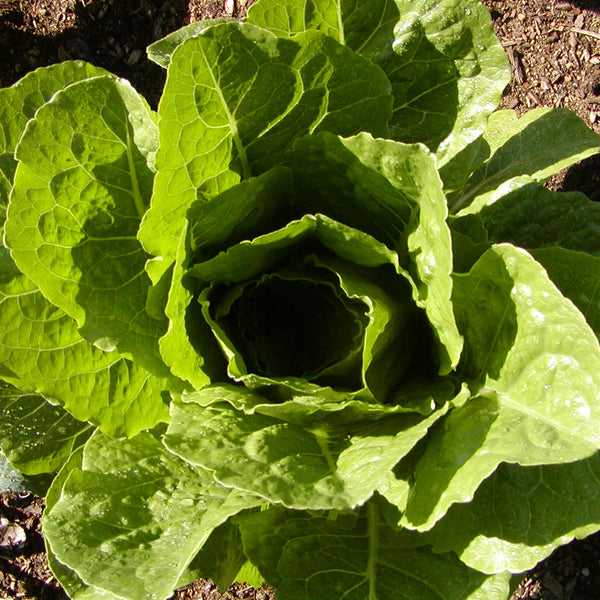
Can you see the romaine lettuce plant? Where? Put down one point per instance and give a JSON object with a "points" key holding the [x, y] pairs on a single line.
{"points": [[317, 319]]}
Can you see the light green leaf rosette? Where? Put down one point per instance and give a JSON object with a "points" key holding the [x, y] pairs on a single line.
{"points": [[333, 269]]}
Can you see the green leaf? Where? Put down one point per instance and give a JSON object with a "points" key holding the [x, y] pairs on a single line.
{"points": [[365, 28], [19, 103], [160, 51], [220, 559], [355, 556], [533, 216], [189, 347], [82, 183], [577, 275], [133, 516], [411, 169], [68, 579], [240, 95], [469, 241], [534, 361], [35, 436], [524, 147], [248, 260], [448, 73], [446, 66], [42, 352], [316, 465], [519, 515]]}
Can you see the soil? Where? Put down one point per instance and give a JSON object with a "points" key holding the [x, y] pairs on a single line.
{"points": [[554, 50]]}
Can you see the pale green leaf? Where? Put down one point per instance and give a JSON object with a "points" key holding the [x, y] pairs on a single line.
{"points": [[366, 28], [577, 275], [411, 169], [133, 516], [42, 352], [534, 361], [189, 347], [448, 73], [519, 515], [20, 102], [446, 66], [68, 579], [240, 95], [537, 145], [35, 436], [82, 184], [318, 465], [355, 556], [160, 51]]}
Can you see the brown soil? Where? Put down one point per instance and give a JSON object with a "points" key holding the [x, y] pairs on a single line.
{"points": [[554, 49]]}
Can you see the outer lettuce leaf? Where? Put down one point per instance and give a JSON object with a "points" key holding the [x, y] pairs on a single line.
{"points": [[241, 95], [220, 559], [577, 275], [447, 68], [515, 148], [160, 51], [519, 515], [365, 28], [41, 351], [449, 74], [19, 103], [83, 181], [535, 362], [188, 347], [35, 436], [319, 465], [355, 556], [69, 580], [131, 518], [535, 217]]}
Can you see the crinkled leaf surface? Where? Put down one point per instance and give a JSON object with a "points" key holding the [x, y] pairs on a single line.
{"points": [[355, 556], [82, 183], [533, 216], [525, 146], [35, 436], [448, 74], [411, 169], [366, 28], [41, 351], [577, 275], [536, 361], [519, 515], [314, 466], [239, 95], [160, 51], [446, 66], [19, 103], [133, 516], [68, 579]]}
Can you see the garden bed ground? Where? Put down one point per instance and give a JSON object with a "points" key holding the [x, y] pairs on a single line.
{"points": [[554, 49]]}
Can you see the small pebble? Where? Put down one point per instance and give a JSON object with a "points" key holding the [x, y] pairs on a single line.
{"points": [[12, 535]]}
